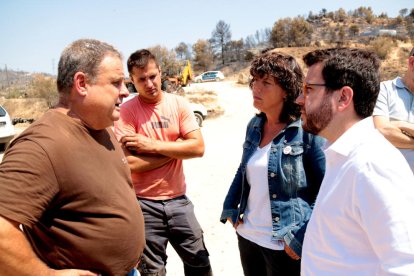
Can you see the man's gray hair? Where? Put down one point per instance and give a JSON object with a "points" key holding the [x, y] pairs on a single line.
{"points": [[83, 55]]}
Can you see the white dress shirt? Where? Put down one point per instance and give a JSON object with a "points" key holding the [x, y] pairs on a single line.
{"points": [[363, 221]]}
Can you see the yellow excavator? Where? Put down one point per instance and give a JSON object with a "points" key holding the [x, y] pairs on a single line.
{"points": [[174, 83]]}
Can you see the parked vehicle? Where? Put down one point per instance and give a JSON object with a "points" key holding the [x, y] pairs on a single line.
{"points": [[6, 128], [173, 81], [200, 111], [210, 76]]}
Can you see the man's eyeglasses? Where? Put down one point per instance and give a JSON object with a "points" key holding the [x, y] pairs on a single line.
{"points": [[308, 86]]}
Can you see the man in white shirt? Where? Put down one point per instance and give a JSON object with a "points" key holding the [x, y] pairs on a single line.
{"points": [[362, 222], [394, 111]]}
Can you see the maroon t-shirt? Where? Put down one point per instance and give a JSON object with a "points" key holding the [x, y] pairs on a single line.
{"points": [[70, 187]]}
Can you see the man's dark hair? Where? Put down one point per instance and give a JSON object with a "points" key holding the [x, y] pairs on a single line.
{"points": [[140, 59], [287, 73], [356, 68], [83, 55]]}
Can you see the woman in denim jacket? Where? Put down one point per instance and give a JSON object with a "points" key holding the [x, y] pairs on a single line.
{"points": [[271, 197]]}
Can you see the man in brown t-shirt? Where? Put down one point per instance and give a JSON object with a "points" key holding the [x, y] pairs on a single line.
{"points": [[66, 181]]}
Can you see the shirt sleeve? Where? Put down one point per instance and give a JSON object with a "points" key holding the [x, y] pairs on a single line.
{"points": [[27, 182], [381, 107], [384, 203]]}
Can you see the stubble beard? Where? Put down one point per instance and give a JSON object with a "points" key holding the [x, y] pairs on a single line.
{"points": [[318, 119]]}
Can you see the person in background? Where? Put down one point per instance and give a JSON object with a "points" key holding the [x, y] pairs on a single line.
{"points": [[271, 197], [394, 111], [362, 221], [158, 131], [65, 179]]}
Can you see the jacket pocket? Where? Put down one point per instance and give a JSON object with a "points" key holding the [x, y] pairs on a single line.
{"points": [[292, 167]]}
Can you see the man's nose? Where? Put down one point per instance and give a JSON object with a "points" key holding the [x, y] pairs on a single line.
{"points": [[300, 100], [124, 91], [149, 82]]}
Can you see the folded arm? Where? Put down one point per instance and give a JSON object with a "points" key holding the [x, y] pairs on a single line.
{"points": [[399, 133], [144, 153]]}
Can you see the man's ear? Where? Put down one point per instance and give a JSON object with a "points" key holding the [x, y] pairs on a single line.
{"points": [[79, 82], [411, 63], [346, 95]]}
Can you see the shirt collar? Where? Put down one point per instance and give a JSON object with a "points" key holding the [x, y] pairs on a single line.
{"points": [[398, 82], [349, 140]]}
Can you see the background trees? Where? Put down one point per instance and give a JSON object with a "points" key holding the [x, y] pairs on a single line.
{"points": [[167, 59], [203, 55], [183, 51], [220, 37], [289, 32]]}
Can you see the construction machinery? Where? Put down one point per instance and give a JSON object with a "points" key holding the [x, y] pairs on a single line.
{"points": [[173, 82]]}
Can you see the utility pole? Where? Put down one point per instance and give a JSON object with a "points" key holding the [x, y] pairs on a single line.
{"points": [[7, 75]]}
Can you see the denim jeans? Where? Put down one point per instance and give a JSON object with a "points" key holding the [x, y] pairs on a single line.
{"points": [[133, 272], [172, 221], [260, 261]]}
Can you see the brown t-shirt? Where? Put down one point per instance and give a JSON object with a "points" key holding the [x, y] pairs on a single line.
{"points": [[70, 187]]}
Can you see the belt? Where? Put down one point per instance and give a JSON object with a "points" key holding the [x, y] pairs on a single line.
{"points": [[164, 200]]}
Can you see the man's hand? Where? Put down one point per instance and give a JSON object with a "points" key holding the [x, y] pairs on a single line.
{"points": [[234, 224], [291, 253], [138, 143], [405, 127]]}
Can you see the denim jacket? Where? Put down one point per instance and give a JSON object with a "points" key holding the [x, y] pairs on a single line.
{"points": [[295, 171]]}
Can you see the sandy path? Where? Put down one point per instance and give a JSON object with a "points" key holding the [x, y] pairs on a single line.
{"points": [[208, 178]]}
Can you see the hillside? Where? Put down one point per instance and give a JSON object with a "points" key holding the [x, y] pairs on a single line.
{"points": [[394, 65], [33, 108]]}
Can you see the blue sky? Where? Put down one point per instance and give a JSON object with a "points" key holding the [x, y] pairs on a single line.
{"points": [[34, 32]]}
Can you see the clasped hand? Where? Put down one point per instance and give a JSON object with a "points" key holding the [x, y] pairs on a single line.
{"points": [[139, 143]]}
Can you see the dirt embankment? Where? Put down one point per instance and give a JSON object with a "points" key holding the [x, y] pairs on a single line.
{"points": [[26, 108], [30, 109]]}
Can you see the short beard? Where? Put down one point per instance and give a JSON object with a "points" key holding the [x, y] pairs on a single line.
{"points": [[318, 119]]}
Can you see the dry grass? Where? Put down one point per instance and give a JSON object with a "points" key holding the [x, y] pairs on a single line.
{"points": [[27, 108], [208, 99]]}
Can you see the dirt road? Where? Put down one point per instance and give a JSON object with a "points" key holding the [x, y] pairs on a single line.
{"points": [[208, 178]]}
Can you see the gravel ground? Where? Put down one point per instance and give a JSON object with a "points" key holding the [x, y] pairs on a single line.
{"points": [[208, 178]]}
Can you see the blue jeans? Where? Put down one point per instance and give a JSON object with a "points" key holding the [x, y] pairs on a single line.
{"points": [[133, 272], [172, 221]]}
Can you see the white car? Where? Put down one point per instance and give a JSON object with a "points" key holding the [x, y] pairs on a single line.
{"points": [[210, 76], [200, 111], [6, 128]]}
